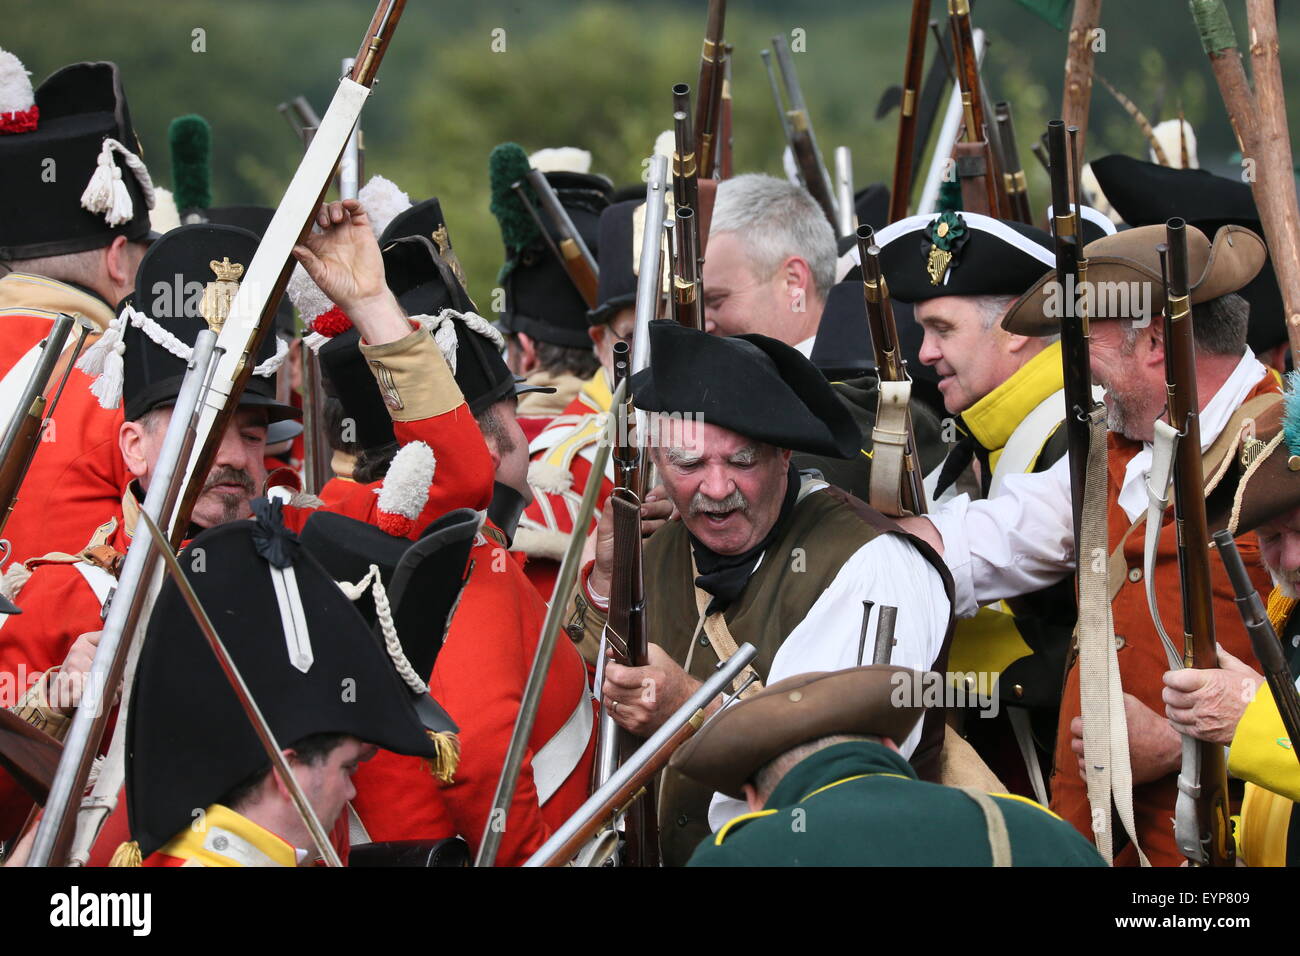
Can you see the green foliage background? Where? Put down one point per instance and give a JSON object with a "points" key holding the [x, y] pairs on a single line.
{"points": [[591, 74]]}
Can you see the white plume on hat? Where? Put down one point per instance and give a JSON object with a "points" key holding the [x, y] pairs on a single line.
{"points": [[1167, 134], [561, 159], [16, 94], [383, 202], [164, 217]]}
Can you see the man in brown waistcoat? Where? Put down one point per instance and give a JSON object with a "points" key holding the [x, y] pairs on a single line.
{"points": [[761, 554]]}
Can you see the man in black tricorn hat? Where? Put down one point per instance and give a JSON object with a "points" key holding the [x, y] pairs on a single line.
{"points": [[961, 272], [760, 554], [543, 313], [199, 786], [76, 198]]}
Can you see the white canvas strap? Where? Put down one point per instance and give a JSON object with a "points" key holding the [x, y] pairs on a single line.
{"points": [[889, 448], [556, 760], [1022, 448]]}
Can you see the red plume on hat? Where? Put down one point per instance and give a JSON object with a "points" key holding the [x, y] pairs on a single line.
{"points": [[18, 109]]}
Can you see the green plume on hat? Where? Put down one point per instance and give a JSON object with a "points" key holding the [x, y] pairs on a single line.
{"points": [[191, 145], [507, 165], [1291, 413]]}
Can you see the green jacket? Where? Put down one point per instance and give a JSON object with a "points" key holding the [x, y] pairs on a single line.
{"points": [[860, 804]]}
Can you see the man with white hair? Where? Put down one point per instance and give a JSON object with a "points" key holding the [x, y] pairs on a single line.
{"points": [[770, 261]]}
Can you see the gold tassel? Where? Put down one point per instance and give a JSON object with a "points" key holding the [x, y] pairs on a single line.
{"points": [[1279, 609], [444, 765], [127, 854]]}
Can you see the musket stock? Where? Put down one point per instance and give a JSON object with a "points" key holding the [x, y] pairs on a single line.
{"points": [[977, 165], [913, 64], [574, 256], [708, 112]]}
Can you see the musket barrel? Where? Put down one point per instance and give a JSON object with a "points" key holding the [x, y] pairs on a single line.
{"points": [[81, 745], [649, 757]]}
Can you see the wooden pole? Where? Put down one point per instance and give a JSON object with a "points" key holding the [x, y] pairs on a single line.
{"points": [[1078, 67], [1259, 120]]}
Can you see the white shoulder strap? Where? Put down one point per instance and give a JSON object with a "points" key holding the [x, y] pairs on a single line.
{"points": [[1022, 448], [15, 380], [100, 581]]}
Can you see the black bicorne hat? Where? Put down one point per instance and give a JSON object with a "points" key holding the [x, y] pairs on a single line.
{"points": [[66, 186], [926, 257], [618, 261], [424, 580], [540, 299], [1147, 194], [185, 284], [311, 665], [350, 380], [753, 385]]}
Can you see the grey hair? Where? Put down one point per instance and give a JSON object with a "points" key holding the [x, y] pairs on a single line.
{"points": [[1219, 326], [992, 308], [777, 220], [767, 777]]}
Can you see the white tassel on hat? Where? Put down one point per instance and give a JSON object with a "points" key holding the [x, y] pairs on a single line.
{"points": [[104, 361], [106, 193], [405, 490], [443, 329], [561, 159]]}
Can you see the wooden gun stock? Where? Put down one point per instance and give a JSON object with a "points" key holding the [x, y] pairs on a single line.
{"points": [[901, 191]]}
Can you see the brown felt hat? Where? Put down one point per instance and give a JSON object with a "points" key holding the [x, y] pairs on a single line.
{"points": [[881, 701], [1214, 269], [1263, 480]]}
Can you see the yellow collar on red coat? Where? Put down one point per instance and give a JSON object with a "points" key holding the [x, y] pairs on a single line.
{"points": [[222, 837], [24, 292]]}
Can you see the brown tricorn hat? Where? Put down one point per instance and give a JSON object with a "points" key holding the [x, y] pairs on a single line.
{"points": [[1263, 480], [1214, 269], [881, 701]]}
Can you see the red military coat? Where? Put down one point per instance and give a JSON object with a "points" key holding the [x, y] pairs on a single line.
{"points": [[561, 457], [479, 678], [77, 473], [1142, 659], [59, 603]]}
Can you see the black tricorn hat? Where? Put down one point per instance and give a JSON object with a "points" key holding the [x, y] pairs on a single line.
{"points": [[616, 288], [255, 219], [753, 385], [46, 169], [540, 299], [423, 580], [925, 257], [1147, 194], [181, 280], [425, 284], [188, 741]]}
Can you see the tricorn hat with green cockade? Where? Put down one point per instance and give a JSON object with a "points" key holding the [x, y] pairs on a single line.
{"points": [[941, 244]]}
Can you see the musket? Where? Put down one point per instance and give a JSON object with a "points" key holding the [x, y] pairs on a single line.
{"points": [[913, 64], [847, 222], [890, 364], [1013, 176], [300, 116], [726, 151], [125, 612], [531, 698], [352, 162], [708, 112], [1071, 271], [1263, 639], [265, 735], [888, 617], [632, 780], [688, 260], [251, 319], [799, 133], [34, 411], [1201, 825], [626, 630], [578, 262], [977, 167]]}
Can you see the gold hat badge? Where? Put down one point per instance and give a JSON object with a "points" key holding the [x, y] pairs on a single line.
{"points": [[219, 294]]}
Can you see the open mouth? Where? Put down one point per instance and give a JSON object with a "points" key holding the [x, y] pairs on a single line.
{"points": [[716, 519]]}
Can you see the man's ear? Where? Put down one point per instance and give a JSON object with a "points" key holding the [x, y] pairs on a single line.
{"points": [[785, 457], [131, 441], [751, 798], [1017, 342], [1156, 348], [798, 279], [119, 264]]}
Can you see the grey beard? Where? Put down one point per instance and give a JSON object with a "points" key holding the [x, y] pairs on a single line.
{"points": [[1119, 419], [1288, 583]]}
